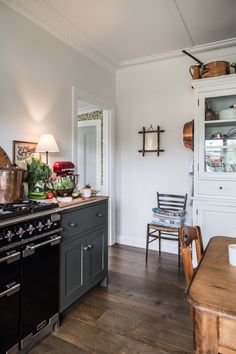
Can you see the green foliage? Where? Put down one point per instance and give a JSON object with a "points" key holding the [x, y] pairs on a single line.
{"points": [[37, 171], [63, 183]]}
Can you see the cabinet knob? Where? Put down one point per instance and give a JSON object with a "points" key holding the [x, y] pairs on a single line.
{"points": [[72, 224], [99, 215], [88, 247], [220, 187]]}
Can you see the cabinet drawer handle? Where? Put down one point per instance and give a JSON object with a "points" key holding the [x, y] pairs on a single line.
{"points": [[99, 215], [220, 187], [31, 249], [10, 258], [72, 224], [11, 289]]}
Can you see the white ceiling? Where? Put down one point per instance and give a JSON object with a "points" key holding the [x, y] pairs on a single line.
{"points": [[122, 32]]}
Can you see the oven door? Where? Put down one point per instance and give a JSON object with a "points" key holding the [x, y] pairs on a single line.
{"points": [[39, 287], [9, 301]]}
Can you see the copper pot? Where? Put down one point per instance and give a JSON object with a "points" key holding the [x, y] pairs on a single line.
{"points": [[195, 71], [188, 132], [216, 68], [11, 185]]}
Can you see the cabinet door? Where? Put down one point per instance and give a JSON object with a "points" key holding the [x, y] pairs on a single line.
{"points": [[215, 219], [97, 256], [217, 134], [72, 265]]}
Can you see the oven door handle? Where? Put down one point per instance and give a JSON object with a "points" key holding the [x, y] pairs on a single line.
{"points": [[12, 289], [10, 258], [31, 249]]}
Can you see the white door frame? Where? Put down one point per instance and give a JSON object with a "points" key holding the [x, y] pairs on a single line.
{"points": [[109, 155], [95, 123]]}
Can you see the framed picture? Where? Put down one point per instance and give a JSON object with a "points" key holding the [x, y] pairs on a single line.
{"points": [[23, 151]]}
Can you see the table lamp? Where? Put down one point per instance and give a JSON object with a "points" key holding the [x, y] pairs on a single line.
{"points": [[47, 143]]}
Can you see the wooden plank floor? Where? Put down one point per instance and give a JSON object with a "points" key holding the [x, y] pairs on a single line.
{"points": [[142, 311]]}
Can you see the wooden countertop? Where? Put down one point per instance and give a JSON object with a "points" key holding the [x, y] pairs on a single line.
{"points": [[213, 287], [81, 201]]}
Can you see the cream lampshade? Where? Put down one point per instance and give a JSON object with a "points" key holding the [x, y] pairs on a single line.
{"points": [[47, 143]]}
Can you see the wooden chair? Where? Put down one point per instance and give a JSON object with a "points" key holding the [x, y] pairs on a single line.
{"points": [[188, 235], [166, 202]]}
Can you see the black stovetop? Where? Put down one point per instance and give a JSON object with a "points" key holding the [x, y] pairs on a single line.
{"points": [[8, 211]]}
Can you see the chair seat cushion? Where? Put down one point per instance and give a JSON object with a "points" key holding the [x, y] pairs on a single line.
{"points": [[168, 218]]}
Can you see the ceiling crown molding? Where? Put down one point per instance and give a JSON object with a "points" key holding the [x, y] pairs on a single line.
{"points": [[47, 18], [44, 16], [168, 55]]}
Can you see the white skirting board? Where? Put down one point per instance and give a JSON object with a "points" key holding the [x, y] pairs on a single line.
{"points": [[166, 246]]}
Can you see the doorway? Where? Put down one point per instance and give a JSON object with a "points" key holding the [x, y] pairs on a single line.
{"points": [[89, 154], [93, 134]]}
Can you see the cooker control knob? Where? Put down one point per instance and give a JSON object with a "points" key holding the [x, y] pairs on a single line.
{"points": [[9, 235], [20, 232], [40, 226], [30, 229], [48, 223]]}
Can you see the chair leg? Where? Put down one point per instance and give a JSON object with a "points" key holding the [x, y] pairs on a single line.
{"points": [[159, 232], [147, 242], [178, 254]]}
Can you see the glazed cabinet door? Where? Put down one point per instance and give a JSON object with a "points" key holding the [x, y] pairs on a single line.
{"points": [[217, 134]]}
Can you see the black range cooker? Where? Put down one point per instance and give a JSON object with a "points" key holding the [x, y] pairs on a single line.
{"points": [[30, 235]]}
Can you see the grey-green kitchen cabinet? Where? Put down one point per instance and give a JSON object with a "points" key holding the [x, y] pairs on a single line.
{"points": [[84, 251]]}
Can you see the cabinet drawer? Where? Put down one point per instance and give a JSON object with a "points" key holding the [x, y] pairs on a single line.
{"points": [[82, 219], [217, 188]]}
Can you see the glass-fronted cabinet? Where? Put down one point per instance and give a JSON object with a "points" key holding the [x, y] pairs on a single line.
{"points": [[214, 199], [217, 134], [220, 134]]}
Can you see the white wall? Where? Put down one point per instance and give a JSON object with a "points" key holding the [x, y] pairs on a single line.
{"points": [[160, 94], [37, 72]]}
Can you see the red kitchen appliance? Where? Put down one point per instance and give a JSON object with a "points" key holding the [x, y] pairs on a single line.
{"points": [[63, 168], [66, 168]]}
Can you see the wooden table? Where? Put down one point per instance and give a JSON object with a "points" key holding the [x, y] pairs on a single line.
{"points": [[212, 294]]}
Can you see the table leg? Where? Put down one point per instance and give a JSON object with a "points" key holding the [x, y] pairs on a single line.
{"points": [[205, 332]]}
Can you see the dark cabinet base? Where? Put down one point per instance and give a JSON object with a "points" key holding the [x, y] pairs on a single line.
{"points": [[83, 260]]}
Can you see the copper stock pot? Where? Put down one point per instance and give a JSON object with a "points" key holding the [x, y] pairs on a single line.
{"points": [[11, 184]]}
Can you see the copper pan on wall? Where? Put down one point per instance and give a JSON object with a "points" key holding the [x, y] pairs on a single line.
{"points": [[188, 135]]}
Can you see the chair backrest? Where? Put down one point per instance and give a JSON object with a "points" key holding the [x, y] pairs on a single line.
{"points": [[188, 235], [171, 201]]}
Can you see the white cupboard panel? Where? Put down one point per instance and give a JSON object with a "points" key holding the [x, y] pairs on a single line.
{"points": [[215, 220], [217, 188]]}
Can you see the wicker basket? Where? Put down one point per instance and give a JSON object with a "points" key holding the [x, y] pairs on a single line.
{"points": [[4, 159]]}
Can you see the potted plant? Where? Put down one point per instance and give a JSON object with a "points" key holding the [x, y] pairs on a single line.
{"points": [[38, 175]]}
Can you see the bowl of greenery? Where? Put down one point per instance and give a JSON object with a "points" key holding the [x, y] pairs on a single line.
{"points": [[61, 186]]}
